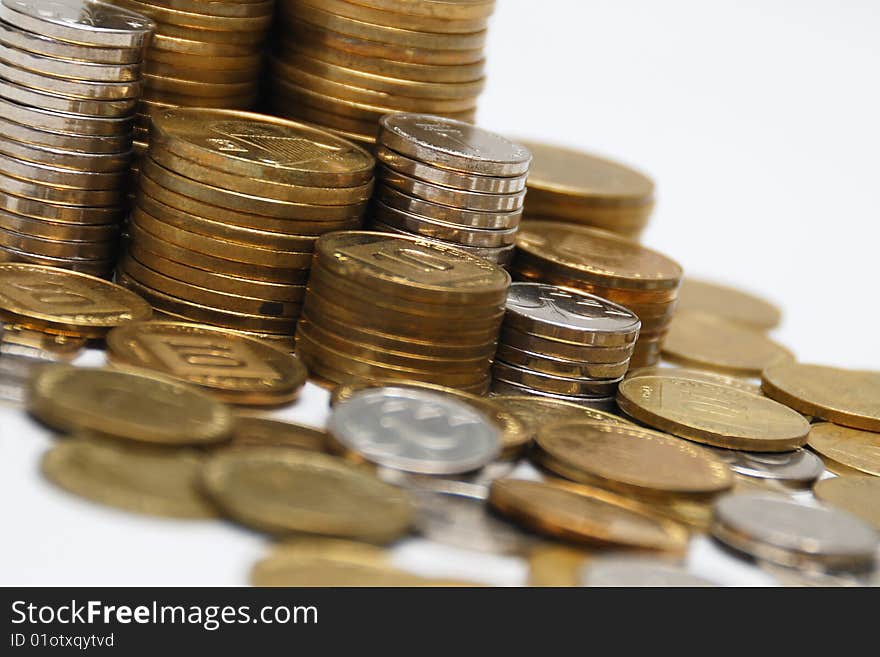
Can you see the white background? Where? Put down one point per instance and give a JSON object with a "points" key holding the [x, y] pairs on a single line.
{"points": [[758, 121]]}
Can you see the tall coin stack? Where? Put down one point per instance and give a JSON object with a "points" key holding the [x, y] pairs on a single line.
{"points": [[576, 187], [229, 207], [343, 64], [608, 266], [563, 344], [391, 307], [69, 84], [450, 182]]}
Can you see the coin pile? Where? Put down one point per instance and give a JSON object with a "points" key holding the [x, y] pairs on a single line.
{"points": [[344, 64], [70, 81], [229, 207], [389, 306], [563, 344], [450, 182], [576, 187], [601, 263]]}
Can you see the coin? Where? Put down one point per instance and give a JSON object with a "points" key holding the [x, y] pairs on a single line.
{"points": [[563, 385], [141, 407], [458, 216], [847, 397], [538, 412], [441, 230], [251, 431], [497, 255], [852, 448], [418, 170], [565, 351], [728, 303], [414, 430], [638, 572], [501, 387], [856, 495], [712, 414], [544, 364], [698, 375], [555, 564], [795, 468], [25, 342], [284, 491], [12, 35]]}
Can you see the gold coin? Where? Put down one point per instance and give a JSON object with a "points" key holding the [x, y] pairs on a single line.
{"points": [[538, 412], [65, 302], [206, 50], [168, 17], [138, 406], [713, 414], [158, 481], [51, 174], [100, 268], [232, 367], [367, 13], [501, 256], [857, 495], [701, 340], [698, 375], [847, 397], [446, 9], [207, 90], [629, 459], [57, 248], [58, 231], [343, 126], [251, 431], [284, 491], [583, 516], [728, 303], [40, 191], [248, 9], [555, 565], [858, 451]]}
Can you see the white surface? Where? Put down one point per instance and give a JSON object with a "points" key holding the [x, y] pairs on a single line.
{"points": [[758, 121]]}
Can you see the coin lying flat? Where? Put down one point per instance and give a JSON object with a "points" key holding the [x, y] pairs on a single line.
{"points": [[854, 449], [539, 412], [847, 397], [141, 407], [415, 431], [698, 375], [728, 303], [859, 496], [638, 572], [251, 431], [713, 414], [796, 468], [154, 480], [284, 491]]}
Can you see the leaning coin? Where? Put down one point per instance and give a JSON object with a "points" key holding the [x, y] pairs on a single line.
{"points": [[638, 572], [796, 468], [539, 412], [252, 431], [858, 495], [854, 449]]}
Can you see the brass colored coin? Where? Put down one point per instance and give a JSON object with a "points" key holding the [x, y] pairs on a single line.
{"points": [[58, 248], [583, 516], [66, 159], [174, 99], [206, 90], [234, 368], [563, 350], [713, 414], [100, 268], [558, 366], [251, 431], [248, 9], [168, 17], [245, 60], [409, 21], [857, 495], [571, 386], [158, 481], [65, 302], [854, 449], [539, 412], [284, 491], [450, 232], [58, 176], [555, 565], [61, 195], [698, 375], [847, 397], [345, 126], [252, 39], [728, 303], [632, 460], [500, 256], [36, 43], [142, 407], [186, 45], [454, 10]]}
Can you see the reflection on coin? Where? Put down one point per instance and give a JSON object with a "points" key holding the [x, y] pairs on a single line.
{"points": [[251, 431], [796, 468], [856, 450], [727, 303], [415, 431], [699, 375], [540, 412], [858, 495], [638, 572]]}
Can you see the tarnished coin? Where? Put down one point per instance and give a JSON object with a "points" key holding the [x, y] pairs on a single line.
{"points": [[158, 481], [65, 302], [847, 397], [859, 496], [453, 144], [713, 414], [727, 303], [796, 468], [142, 407], [415, 431], [638, 572], [233, 367], [852, 448], [793, 534], [285, 491], [251, 431], [697, 375]]}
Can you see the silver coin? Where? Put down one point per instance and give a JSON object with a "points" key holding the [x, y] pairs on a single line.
{"points": [[415, 431], [455, 198], [573, 386], [74, 124], [789, 533], [798, 467], [638, 572], [83, 22], [792, 577], [474, 484], [11, 35], [501, 387], [76, 70], [581, 318], [15, 373], [66, 159], [79, 106], [47, 138], [558, 366], [83, 89], [458, 216], [453, 144], [502, 255], [584, 353]]}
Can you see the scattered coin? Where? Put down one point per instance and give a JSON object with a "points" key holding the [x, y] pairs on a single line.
{"points": [[858, 451], [638, 572], [251, 431], [728, 303], [539, 412], [698, 375], [795, 468], [859, 496], [555, 565]]}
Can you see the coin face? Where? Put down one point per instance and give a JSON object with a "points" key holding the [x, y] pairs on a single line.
{"points": [[638, 572], [251, 431], [847, 397], [284, 491], [727, 303], [859, 450], [236, 368], [133, 406], [415, 431], [857, 495], [797, 467], [698, 375], [66, 302], [713, 414]]}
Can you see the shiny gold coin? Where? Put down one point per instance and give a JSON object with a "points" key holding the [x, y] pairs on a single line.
{"points": [[859, 496], [206, 50], [854, 449], [202, 20], [58, 248], [284, 491], [99, 268], [138, 406], [501, 256], [582, 516], [556, 565], [234, 368], [847, 397], [410, 21], [728, 303], [251, 431], [454, 10], [632, 460], [158, 481], [713, 414], [698, 375], [539, 412], [39, 228]]}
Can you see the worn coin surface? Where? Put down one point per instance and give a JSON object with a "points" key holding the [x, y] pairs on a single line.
{"points": [[252, 431], [852, 448], [727, 303], [798, 467], [858, 495], [638, 572]]}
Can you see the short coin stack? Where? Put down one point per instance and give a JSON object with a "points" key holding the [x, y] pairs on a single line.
{"points": [[576, 187], [343, 64], [69, 85], [601, 263], [394, 307], [448, 181], [562, 344], [228, 211]]}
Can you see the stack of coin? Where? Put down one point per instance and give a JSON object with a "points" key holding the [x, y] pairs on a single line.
{"points": [[228, 211], [576, 187], [394, 307], [449, 182], [601, 263], [563, 344], [69, 85], [343, 64]]}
